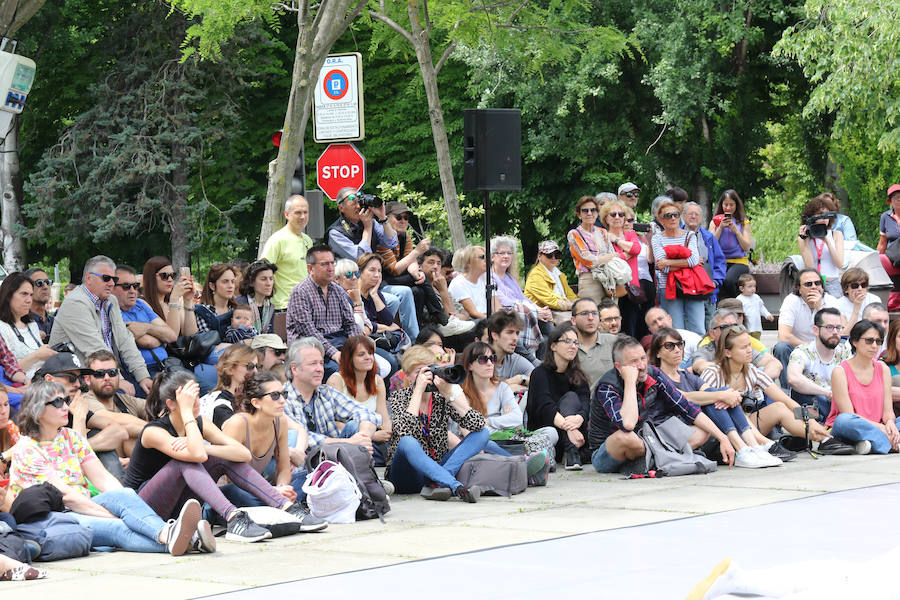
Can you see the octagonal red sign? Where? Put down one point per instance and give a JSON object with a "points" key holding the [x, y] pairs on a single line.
{"points": [[341, 165]]}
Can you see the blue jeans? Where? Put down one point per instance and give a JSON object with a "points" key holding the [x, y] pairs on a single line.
{"points": [[686, 314], [854, 428], [411, 467], [603, 462], [137, 528], [493, 447], [821, 403], [782, 351], [402, 303], [727, 419]]}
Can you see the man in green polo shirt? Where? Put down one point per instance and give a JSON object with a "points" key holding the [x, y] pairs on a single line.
{"points": [[287, 249]]}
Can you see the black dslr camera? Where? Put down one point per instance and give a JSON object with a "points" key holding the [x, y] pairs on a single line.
{"points": [[818, 230], [369, 201], [455, 374], [749, 402]]}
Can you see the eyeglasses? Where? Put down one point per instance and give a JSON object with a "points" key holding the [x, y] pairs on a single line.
{"points": [[106, 278], [275, 396], [724, 326], [858, 284], [42, 282], [632, 194], [58, 402], [588, 313], [101, 373], [877, 341], [670, 215], [129, 286], [166, 276], [568, 341], [588, 211], [310, 418], [503, 253], [351, 274], [809, 284], [70, 377], [672, 345], [486, 358], [610, 319], [616, 214], [831, 328], [252, 366]]}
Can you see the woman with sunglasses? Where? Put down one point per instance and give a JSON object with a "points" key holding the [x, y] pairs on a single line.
{"points": [[559, 397], [237, 363], [262, 427], [590, 247], [180, 456], [257, 288], [687, 312], [50, 452], [357, 378], [856, 295], [723, 407], [19, 332], [547, 286], [628, 247], [468, 287], [169, 295], [731, 227], [862, 411]]}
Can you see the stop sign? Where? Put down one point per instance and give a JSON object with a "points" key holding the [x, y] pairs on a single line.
{"points": [[341, 165]]}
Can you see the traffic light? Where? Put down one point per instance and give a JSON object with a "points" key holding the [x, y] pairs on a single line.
{"points": [[298, 180]]}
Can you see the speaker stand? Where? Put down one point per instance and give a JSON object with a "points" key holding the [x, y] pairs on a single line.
{"points": [[488, 286]]}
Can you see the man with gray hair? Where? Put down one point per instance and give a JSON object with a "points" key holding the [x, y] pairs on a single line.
{"points": [[706, 351], [287, 248], [877, 313], [710, 252], [90, 320]]}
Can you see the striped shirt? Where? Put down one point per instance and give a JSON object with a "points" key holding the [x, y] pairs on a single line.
{"points": [[391, 256], [660, 241], [103, 309], [756, 381]]}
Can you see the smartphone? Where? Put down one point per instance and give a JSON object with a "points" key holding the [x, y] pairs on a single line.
{"points": [[185, 272], [728, 215]]}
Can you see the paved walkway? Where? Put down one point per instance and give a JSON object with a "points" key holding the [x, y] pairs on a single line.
{"points": [[574, 502]]}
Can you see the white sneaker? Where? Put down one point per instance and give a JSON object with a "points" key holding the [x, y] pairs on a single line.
{"points": [[748, 459], [767, 459], [862, 447], [456, 326]]}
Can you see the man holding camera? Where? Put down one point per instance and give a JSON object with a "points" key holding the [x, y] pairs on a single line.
{"points": [[361, 227]]}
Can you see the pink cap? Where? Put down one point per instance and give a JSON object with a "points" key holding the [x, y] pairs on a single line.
{"points": [[893, 189]]}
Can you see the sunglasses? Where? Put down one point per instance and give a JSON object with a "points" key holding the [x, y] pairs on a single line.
{"points": [[877, 341], [402, 217], [442, 358], [279, 352], [252, 366], [351, 274], [670, 215], [129, 286], [856, 285], [672, 345], [629, 220], [737, 329], [166, 276], [58, 402], [275, 396], [588, 211], [101, 373], [809, 284], [632, 194], [481, 257], [70, 377], [106, 278], [616, 214], [555, 254], [42, 282], [486, 358]]}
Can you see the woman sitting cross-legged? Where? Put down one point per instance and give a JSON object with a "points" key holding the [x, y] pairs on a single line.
{"points": [[262, 427], [180, 456], [723, 407], [862, 412], [419, 455], [51, 452]]}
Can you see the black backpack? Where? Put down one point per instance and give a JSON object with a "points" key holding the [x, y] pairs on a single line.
{"points": [[358, 462]]}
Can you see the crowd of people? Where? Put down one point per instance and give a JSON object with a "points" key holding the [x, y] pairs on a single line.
{"points": [[159, 409]]}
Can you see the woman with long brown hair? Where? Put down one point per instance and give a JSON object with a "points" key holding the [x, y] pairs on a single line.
{"points": [[171, 300], [731, 227], [217, 299], [891, 358]]}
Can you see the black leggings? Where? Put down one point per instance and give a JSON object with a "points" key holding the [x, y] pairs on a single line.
{"points": [[729, 286]]}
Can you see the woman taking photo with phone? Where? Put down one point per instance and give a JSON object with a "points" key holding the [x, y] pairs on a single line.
{"points": [[731, 227]]}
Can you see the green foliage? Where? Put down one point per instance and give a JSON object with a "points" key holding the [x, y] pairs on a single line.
{"points": [[432, 214], [215, 22]]}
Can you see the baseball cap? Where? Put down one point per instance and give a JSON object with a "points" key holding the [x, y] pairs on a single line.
{"points": [[268, 340], [548, 247], [893, 189], [732, 304], [395, 208], [628, 187], [62, 362]]}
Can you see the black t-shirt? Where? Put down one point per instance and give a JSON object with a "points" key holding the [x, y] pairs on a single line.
{"points": [[146, 462], [222, 412]]}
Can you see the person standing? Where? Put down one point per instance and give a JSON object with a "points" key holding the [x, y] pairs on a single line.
{"points": [[287, 249]]}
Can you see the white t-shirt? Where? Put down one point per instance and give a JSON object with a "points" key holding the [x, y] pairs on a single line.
{"points": [[691, 342], [795, 313], [754, 310], [461, 288], [846, 307], [22, 343], [822, 255]]}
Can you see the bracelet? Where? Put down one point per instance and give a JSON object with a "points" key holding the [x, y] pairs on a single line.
{"points": [[194, 421], [176, 304]]}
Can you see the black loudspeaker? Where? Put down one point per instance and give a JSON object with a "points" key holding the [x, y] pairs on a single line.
{"points": [[492, 149]]}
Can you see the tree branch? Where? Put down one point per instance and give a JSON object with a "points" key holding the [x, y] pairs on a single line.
{"points": [[395, 26], [447, 52], [26, 10]]}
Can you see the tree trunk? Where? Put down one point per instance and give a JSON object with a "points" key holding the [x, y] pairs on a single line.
{"points": [[422, 46], [10, 193], [178, 232]]}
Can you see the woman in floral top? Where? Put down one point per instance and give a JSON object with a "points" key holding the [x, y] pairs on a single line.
{"points": [[419, 455]]}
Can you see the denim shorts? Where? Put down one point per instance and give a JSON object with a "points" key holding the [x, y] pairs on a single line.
{"points": [[603, 462]]}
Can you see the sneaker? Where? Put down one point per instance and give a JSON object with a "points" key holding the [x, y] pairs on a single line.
{"points": [[430, 492], [388, 486], [241, 528], [862, 447], [470, 495], [573, 462], [308, 522], [455, 326], [746, 458], [203, 539], [33, 549], [181, 530], [834, 446], [766, 458], [778, 450], [536, 462]]}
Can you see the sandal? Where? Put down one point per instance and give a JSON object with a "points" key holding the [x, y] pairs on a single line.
{"points": [[23, 573]]}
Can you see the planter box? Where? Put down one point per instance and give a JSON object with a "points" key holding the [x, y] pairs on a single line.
{"points": [[768, 283]]}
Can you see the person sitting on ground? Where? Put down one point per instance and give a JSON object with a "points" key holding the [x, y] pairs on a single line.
{"points": [[795, 318], [261, 426], [891, 358], [169, 295], [558, 396], [13, 570], [610, 317], [287, 249], [234, 366], [430, 338], [180, 455], [319, 308], [547, 286], [377, 312], [502, 333], [149, 330], [419, 455], [319, 408], [723, 407], [358, 230], [468, 288], [824, 254], [616, 411], [213, 312], [734, 369], [752, 306], [104, 397], [257, 289], [855, 296], [89, 319], [656, 318], [9, 435], [812, 363], [459, 326], [594, 346], [486, 393], [41, 301], [51, 452], [241, 329], [863, 413], [20, 334], [270, 351], [878, 314], [505, 276], [357, 378], [722, 319]]}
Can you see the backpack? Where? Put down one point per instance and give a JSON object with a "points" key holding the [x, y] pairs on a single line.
{"points": [[59, 535], [358, 462], [332, 493], [668, 449], [495, 474]]}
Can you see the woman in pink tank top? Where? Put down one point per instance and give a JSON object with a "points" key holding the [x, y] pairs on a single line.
{"points": [[862, 411]]}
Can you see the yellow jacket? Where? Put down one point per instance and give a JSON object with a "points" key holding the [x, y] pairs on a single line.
{"points": [[539, 288]]}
